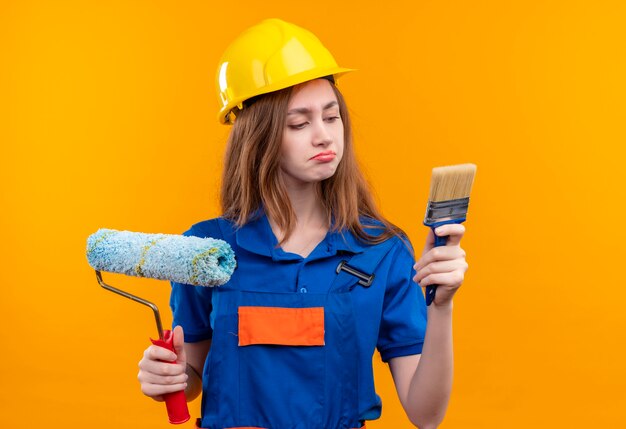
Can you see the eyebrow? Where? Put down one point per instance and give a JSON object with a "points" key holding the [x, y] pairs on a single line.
{"points": [[306, 110]]}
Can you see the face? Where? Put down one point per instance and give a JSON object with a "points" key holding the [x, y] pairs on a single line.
{"points": [[313, 135]]}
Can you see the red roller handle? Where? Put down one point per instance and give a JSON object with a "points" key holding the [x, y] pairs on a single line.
{"points": [[175, 402]]}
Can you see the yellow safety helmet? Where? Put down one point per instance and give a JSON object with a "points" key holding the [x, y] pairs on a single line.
{"points": [[270, 56]]}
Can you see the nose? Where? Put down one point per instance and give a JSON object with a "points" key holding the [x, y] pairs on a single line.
{"points": [[321, 136]]}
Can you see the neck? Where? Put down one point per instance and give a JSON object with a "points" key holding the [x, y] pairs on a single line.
{"points": [[311, 222], [306, 203]]}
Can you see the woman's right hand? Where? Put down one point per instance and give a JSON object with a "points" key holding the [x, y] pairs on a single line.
{"points": [[157, 375]]}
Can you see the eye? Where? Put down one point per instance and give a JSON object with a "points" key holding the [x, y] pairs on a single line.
{"points": [[332, 119], [298, 126]]}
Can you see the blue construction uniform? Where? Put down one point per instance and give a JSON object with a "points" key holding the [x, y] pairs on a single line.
{"points": [[327, 385]]}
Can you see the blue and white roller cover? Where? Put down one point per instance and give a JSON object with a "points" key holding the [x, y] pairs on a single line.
{"points": [[190, 260]]}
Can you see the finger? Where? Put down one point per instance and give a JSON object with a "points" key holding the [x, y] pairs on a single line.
{"points": [[161, 369], [440, 253], [451, 279], [156, 390], [453, 231], [179, 344], [157, 353], [145, 377], [440, 267]]}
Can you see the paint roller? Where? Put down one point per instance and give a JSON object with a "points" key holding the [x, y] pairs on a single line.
{"points": [[189, 260]]}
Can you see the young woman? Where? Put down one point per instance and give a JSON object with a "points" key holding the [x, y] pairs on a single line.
{"points": [[322, 278]]}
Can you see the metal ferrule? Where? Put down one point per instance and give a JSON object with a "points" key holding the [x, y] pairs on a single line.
{"points": [[451, 209]]}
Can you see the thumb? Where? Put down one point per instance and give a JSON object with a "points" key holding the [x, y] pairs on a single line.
{"points": [[430, 241], [179, 344]]}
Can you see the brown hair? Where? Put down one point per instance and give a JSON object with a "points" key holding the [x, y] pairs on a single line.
{"points": [[252, 179]]}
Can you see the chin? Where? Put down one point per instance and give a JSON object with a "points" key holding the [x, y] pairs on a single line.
{"points": [[317, 175], [326, 175]]}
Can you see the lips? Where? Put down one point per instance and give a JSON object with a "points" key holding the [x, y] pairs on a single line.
{"points": [[326, 156]]}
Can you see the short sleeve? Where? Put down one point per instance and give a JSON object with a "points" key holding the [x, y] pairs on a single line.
{"points": [[403, 321], [191, 305]]}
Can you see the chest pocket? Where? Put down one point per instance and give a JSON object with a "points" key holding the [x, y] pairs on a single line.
{"points": [[269, 362]]}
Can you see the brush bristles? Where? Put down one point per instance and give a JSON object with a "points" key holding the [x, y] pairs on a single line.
{"points": [[452, 182]]}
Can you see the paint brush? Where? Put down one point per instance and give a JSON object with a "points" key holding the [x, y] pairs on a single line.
{"points": [[450, 188]]}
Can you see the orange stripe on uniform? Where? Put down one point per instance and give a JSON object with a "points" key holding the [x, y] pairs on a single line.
{"points": [[281, 326]]}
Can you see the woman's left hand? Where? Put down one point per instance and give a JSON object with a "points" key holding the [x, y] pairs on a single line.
{"points": [[443, 266]]}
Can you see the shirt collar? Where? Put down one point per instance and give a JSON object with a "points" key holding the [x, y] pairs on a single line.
{"points": [[345, 241], [256, 236]]}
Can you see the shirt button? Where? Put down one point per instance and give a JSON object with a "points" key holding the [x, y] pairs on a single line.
{"points": [[303, 290]]}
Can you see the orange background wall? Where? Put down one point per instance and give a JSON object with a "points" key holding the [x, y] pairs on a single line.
{"points": [[108, 120]]}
